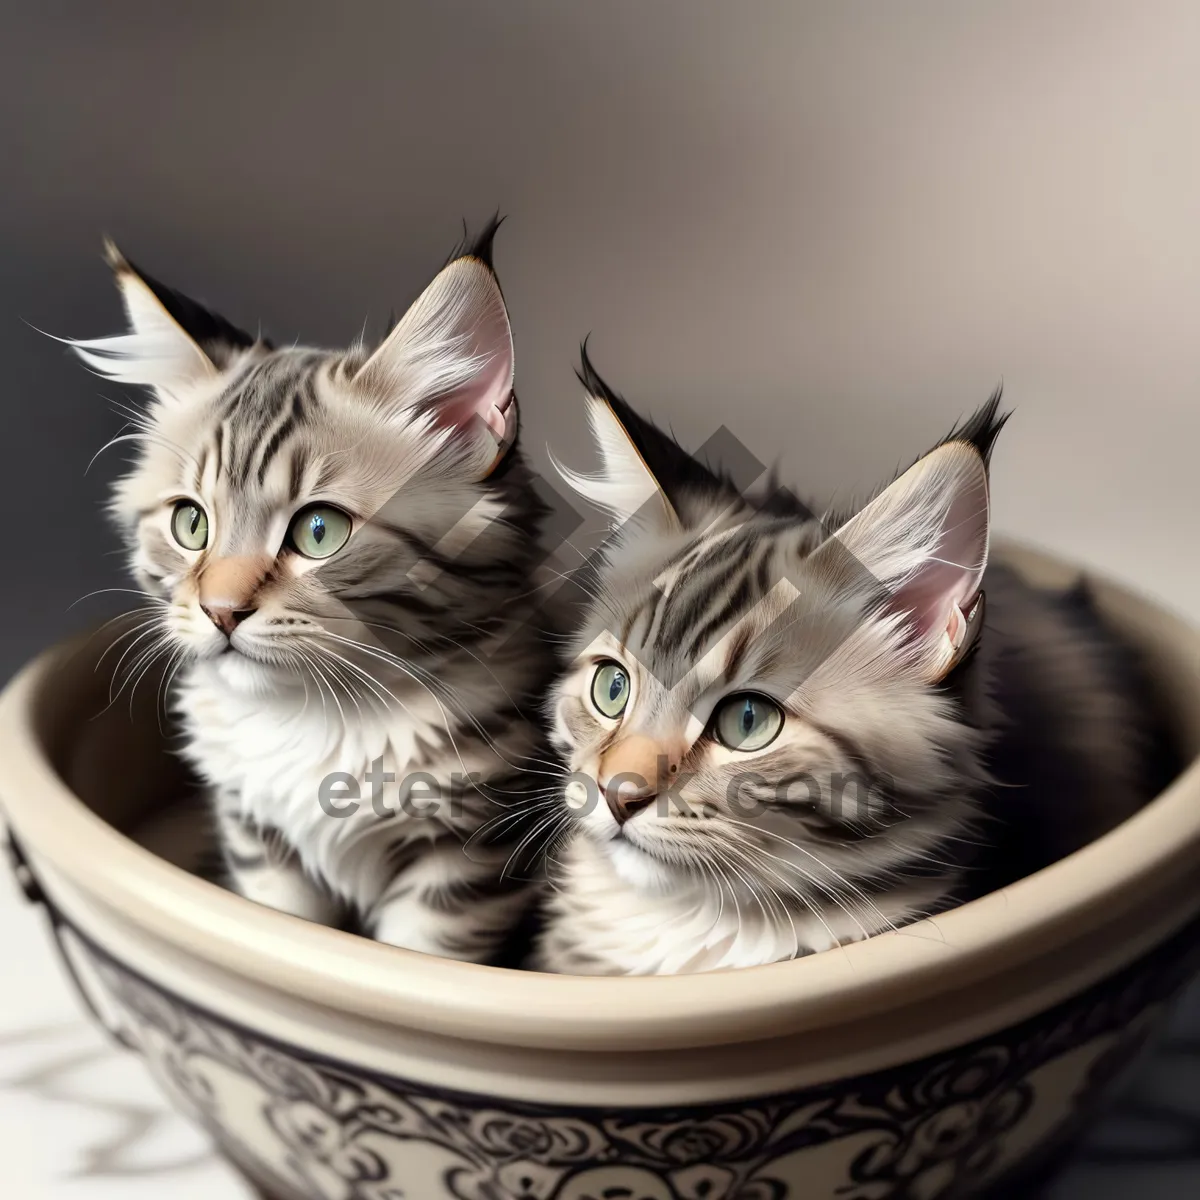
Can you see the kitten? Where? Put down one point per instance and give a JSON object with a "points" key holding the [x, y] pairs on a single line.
{"points": [[783, 740], [339, 546]]}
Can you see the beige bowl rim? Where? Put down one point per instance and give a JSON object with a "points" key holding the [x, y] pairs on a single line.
{"points": [[1077, 896]]}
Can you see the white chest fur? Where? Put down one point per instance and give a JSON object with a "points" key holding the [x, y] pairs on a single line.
{"points": [[285, 757], [621, 928]]}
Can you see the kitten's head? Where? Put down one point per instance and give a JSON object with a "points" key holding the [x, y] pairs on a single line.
{"points": [[756, 695], [282, 498]]}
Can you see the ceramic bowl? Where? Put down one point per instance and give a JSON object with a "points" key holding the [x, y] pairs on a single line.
{"points": [[945, 1059]]}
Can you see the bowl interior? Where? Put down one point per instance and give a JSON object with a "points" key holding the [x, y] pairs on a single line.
{"points": [[113, 745], [81, 769]]}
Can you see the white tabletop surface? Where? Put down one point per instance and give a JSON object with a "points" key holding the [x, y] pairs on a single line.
{"points": [[79, 1118]]}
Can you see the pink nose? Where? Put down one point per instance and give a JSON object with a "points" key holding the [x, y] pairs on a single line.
{"points": [[226, 619], [630, 773], [228, 587]]}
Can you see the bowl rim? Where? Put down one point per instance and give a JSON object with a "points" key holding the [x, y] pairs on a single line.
{"points": [[1148, 854]]}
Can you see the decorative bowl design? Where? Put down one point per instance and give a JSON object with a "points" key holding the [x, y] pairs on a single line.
{"points": [[949, 1059]]}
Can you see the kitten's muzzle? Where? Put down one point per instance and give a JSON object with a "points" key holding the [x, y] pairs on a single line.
{"points": [[228, 587], [632, 772]]}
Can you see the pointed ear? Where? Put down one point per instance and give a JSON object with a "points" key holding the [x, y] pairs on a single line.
{"points": [[626, 487], [921, 547], [172, 340], [645, 475], [451, 357]]}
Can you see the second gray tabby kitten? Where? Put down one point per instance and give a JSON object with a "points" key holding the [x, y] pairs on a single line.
{"points": [[789, 733]]}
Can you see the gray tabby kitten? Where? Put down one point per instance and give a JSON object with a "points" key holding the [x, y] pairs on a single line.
{"points": [[785, 740], [339, 546]]}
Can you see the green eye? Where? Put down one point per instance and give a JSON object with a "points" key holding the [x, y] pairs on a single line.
{"points": [[189, 524], [748, 722], [610, 689], [320, 530]]}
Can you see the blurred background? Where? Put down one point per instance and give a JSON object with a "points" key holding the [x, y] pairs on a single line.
{"points": [[833, 228]]}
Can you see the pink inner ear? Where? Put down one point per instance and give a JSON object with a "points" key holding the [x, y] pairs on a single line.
{"points": [[488, 397], [947, 581], [488, 402]]}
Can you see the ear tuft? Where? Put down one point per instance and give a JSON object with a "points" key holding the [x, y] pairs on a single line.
{"points": [[677, 474], [625, 487], [218, 338], [172, 340], [982, 427], [113, 258], [482, 246], [587, 374], [629, 487]]}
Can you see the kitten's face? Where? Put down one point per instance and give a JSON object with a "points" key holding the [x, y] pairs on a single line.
{"points": [[270, 506], [748, 744], [280, 497], [750, 700]]}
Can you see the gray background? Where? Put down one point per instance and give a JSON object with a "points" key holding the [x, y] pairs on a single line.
{"points": [[831, 227]]}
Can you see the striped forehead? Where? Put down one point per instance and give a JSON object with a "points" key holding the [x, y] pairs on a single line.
{"points": [[714, 588], [254, 439], [259, 413]]}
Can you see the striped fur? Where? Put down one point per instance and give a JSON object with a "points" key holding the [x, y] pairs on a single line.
{"points": [[891, 791], [413, 649]]}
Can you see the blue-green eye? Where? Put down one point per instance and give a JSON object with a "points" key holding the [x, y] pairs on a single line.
{"points": [[320, 530], [610, 689], [189, 525], [747, 722]]}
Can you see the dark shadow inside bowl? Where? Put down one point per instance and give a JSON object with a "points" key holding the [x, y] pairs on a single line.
{"points": [[115, 747]]}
